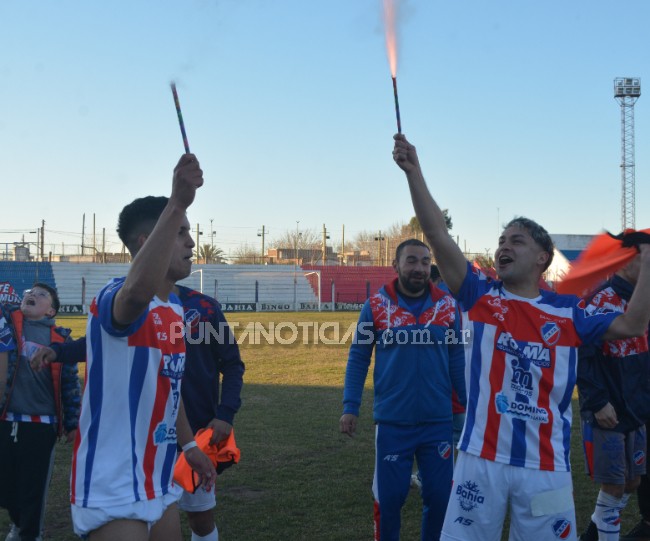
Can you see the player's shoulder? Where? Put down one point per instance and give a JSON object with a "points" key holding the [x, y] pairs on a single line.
{"points": [[558, 300], [193, 299]]}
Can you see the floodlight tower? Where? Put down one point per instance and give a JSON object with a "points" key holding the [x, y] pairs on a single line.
{"points": [[626, 91]]}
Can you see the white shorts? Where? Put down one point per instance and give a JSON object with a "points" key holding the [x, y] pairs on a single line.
{"points": [[541, 502], [87, 519], [199, 501]]}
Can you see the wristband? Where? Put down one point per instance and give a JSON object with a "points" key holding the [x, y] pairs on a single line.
{"points": [[189, 445]]}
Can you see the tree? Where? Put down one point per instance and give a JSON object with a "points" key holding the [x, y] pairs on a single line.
{"points": [[246, 254], [416, 228], [374, 244], [307, 242], [485, 261], [306, 239], [207, 253]]}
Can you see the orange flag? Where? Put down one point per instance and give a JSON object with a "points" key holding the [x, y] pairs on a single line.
{"points": [[602, 257], [222, 455]]}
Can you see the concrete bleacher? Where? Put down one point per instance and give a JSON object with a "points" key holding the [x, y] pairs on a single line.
{"points": [[278, 284], [22, 274], [351, 284], [228, 283], [265, 284], [70, 278]]}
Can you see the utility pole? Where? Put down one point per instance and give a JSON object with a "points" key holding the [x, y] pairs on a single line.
{"points": [[43, 240], [343, 245], [379, 238], [295, 270], [211, 234], [83, 232], [295, 244], [325, 237], [198, 242], [94, 252], [386, 249], [262, 234], [103, 245]]}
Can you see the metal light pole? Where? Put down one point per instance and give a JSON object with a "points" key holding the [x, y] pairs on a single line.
{"points": [[626, 91], [262, 234], [295, 270]]}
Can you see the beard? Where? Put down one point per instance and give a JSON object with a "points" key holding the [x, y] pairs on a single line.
{"points": [[413, 285]]}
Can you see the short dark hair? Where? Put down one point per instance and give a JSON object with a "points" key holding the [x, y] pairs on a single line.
{"points": [[53, 293], [139, 217], [408, 242], [435, 272], [539, 234]]}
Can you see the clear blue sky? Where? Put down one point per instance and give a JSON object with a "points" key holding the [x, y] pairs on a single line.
{"points": [[288, 105]]}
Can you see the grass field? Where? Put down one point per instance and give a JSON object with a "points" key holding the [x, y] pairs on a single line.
{"points": [[299, 478]]}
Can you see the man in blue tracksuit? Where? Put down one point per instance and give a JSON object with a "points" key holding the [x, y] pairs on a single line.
{"points": [[418, 358]]}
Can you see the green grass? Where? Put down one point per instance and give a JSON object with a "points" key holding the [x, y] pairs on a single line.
{"points": [[299, 478]]}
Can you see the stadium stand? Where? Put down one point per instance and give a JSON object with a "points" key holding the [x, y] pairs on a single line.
{"points": [[252, 283], [228, 283], [22, 274], [351, 284]]}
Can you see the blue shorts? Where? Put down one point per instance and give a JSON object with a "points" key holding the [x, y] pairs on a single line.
{"points": [[614, 457]]}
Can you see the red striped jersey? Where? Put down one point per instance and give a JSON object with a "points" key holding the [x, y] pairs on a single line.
{"points": [[126, 444], [520, 370]]}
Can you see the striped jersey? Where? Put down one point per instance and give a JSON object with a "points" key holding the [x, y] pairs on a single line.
{"points": [[126, 444], [520, 370]]}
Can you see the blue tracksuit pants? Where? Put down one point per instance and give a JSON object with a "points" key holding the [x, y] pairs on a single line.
{"points": [[396, 447]]}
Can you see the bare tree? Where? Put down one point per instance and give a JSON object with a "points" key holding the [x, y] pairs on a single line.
{"points": [[305, 245], [306, 239], [246, 254], [381, 244]]}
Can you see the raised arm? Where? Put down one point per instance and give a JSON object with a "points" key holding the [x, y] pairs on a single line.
{"points": [[448, 256], [634, 322], [149, 267]]}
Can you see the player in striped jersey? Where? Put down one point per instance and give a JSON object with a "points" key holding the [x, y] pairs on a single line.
{"points": [[121, 480], [520, 373]]}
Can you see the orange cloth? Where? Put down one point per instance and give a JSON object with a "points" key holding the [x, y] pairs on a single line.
{"points": [[602, 257], [223, 455]]}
